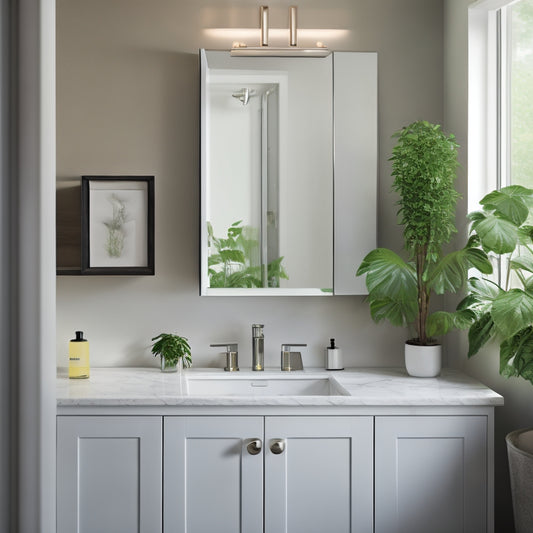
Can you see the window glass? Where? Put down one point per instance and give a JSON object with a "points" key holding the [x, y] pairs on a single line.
{"points": [[521, 92]]}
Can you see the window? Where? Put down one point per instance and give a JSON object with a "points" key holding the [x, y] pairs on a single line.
{"points": [[500, 96], [518, 18], [500, 102]]}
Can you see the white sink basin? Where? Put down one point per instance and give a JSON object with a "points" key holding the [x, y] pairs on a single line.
{"points": [[263, 386]]}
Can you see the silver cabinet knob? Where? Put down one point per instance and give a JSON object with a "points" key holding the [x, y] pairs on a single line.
{"points": [[277, 446], [254, 447]]}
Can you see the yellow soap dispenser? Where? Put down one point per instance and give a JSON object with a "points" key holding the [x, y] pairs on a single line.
{"points": [[78, 357]]}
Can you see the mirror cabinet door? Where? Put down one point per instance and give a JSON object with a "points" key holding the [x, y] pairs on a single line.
{"points": [[268, 160]]}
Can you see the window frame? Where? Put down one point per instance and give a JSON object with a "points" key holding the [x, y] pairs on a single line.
{"points": [[489, 105]]}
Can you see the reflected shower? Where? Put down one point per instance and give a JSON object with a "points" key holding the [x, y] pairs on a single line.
{"points": [[244, 95]]}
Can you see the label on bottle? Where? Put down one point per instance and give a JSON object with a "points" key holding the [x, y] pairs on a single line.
{"points": [[78, 360]]}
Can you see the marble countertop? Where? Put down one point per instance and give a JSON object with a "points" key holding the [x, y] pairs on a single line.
{"points": [[359, 387]]}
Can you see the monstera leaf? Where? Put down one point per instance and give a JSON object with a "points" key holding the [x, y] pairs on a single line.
{"points": [[497, 234], [451, 272], [510, 202], [504, 311]]}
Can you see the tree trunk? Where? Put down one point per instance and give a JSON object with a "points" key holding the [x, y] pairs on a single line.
{"points": [[423, 295]]}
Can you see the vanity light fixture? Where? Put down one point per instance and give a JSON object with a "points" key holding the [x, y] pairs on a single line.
{"points": [[241, 49]]}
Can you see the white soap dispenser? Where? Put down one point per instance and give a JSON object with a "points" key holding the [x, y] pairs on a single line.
{"points": [[333, 357]]}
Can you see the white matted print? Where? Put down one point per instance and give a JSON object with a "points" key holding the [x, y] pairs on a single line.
{"points": [[118, 231], [117, 225]]}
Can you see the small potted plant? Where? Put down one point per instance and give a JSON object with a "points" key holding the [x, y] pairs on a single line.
{"points": [[503, 311], [174, 351], [424, 163]]}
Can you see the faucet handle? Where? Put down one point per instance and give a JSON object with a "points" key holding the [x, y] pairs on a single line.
{"points": [[288, 347], [291, 360], [232, 355], [230, 346]]}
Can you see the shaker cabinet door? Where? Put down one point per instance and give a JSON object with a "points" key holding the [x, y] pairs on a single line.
{"points": [[431, 474], [109, 474], [213, 477], [318, 474]]}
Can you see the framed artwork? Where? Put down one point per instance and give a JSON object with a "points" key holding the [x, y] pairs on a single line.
{"points": [[117, 225]]}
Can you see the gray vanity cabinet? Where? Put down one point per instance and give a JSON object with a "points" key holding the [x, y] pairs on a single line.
{"points": [[322, 480], [109, 474], [389, 473], [431, 474], [317, 474], [211, 482]]}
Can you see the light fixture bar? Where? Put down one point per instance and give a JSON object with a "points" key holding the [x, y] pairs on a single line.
{"points": [[263, 15], [292, 26], [272, 51]]}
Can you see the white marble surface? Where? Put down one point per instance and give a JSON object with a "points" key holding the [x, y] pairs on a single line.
{"points": [[361, 387]]}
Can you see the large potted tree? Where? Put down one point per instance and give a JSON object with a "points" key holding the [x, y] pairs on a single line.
{"points": [[503, 311], [424, 165]]}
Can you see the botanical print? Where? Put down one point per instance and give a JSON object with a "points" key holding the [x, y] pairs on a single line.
{"points": [[118, 228], [114, 244]]}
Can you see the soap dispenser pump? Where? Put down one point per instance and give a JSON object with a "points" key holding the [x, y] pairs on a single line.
{"points": [[333, 357], [78, 357]]}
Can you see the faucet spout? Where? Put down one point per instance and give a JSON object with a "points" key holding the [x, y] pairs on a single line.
{"points": [[258, 347]]}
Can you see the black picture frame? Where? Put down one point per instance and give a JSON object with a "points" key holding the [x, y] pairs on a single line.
{"points": [[117, 225]]}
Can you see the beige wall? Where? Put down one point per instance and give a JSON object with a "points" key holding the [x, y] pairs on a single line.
{"points": [[127, 88]]}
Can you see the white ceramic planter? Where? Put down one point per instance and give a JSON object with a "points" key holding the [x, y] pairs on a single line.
{"points": [[423, 361]]}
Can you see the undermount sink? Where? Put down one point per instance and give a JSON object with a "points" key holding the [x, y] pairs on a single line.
{"points": [[263, 386]]}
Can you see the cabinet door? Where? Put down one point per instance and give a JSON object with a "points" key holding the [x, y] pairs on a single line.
{"points": [[322, 479], [109, 474], [431, 474], [211, 481]]}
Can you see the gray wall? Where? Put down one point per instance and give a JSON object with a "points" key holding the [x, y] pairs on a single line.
{"points": [[518, 393], [27, 266], [127, 93]]}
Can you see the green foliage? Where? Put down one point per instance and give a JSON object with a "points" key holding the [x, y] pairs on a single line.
{"points": [[233, 265], [172, 348], [391, 283], [424, 163], [441, 322], [504, 312]]}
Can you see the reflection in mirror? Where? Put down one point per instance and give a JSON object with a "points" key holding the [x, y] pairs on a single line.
{"points": [[268, 173]]}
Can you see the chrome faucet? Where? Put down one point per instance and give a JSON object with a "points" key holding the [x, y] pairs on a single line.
{"points": [[232, 355], [258, 347], [291, 360]]}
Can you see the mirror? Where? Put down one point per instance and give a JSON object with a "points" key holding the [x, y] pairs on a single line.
{"points": [[267, 161]]}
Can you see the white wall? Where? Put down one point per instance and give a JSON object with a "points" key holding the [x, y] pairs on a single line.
{"points": [[518, 393], [127, 89], [234, 165]]}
